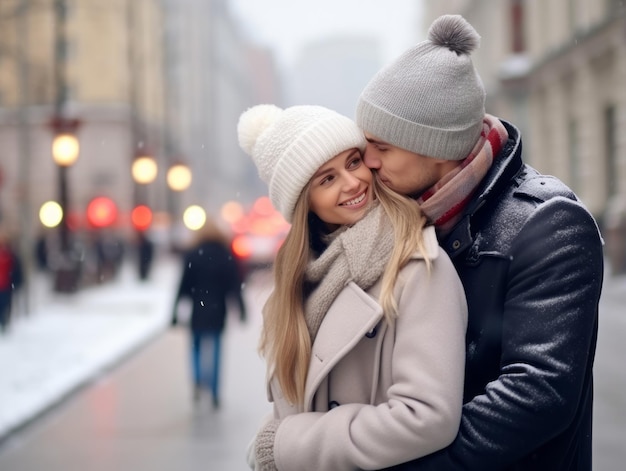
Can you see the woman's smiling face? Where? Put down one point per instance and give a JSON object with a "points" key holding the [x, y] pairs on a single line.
{"points": [[340, 192]]}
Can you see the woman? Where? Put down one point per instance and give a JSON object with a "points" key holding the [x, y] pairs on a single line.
{"points": [[364, 330]]}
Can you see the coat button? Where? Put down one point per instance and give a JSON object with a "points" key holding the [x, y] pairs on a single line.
{"points": [[371, 333], [332, 405], [456, 244]]}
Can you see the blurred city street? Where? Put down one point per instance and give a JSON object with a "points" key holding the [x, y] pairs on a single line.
{"points": [[100, 382], [610, 378], [117, 376]]}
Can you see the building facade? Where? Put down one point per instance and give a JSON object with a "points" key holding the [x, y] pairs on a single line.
{"points": [[97, 62], [557, 69], [164, 78]]}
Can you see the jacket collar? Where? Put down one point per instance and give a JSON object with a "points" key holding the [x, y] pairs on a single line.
{"points": [[505, 167]]}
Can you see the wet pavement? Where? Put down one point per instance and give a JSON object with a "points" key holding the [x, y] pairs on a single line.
{"points": [[609, 432], [141, 414]]}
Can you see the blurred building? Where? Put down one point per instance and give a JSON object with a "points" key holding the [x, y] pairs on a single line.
{"points": [[557, 69], [214, 73], [332, 72], [102, 63], [164, 78]]}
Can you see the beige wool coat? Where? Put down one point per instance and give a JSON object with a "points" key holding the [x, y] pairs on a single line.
{"points": [[378, 393]]}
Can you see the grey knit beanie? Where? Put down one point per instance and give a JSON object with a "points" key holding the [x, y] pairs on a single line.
{"points": [[430, 100], [288, 146]]}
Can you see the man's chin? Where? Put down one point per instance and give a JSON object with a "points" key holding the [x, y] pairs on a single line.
{"points": [[389, 184]]}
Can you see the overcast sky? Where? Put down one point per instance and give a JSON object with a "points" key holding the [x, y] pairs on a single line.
{"points": [[286, 25]]}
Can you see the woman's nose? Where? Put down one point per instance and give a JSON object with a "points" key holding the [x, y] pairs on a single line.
{"points": [[350, 182]]}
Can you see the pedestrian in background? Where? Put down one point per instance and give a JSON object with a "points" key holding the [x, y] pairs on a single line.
{"points": [[11, 277], [527, 250], [211, 281], [41, 252], [145, 254]]}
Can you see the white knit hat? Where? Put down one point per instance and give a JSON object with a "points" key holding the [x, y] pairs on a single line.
{"points": [[430, 100], [288, 146]]}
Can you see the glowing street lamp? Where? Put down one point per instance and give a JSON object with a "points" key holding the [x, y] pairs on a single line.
{"points": [[50, 214], [144, 169], [179, 177], [194, 217], [65, 152], [178, 180], [65, 149]]}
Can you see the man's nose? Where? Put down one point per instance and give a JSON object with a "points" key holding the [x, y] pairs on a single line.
{"points": [[370, 158]]}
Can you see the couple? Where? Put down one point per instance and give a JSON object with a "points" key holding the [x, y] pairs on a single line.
{"points": [[448, 324]]}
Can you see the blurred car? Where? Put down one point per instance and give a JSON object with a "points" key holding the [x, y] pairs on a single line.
{"points": [[257, 236]]}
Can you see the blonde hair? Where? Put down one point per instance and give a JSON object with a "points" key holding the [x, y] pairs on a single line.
{"points": [[407, 221], [285, 340]]}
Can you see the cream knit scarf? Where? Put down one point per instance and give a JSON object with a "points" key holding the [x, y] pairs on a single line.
{"points": [[444, 202], [357, 253]]}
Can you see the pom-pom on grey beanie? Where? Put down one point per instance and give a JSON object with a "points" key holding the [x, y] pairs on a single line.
{"points": [[288, 146], [430, 100]]}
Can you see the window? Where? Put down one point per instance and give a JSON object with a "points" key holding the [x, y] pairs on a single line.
{"points": [[610, 150], [571, 16], [517, 26], [613, 6], [574, 157]]}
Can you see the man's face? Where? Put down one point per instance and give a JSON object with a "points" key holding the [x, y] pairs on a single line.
{"points": [[403, 171]]}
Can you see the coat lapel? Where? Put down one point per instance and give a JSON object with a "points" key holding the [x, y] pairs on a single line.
{"points": [[350, 317]]}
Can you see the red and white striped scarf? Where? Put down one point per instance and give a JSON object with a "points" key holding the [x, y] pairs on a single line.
{"points": [[443, 203]]}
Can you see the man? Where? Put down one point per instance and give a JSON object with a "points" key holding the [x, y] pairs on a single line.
{"points": [[528, 252]]}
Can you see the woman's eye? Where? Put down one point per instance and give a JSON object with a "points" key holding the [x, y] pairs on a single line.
{"points": [[326, 180], [355, 162]]}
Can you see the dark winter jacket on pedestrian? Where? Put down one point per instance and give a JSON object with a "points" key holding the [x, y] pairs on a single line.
{"points": [[530, 258], [210, 277]]}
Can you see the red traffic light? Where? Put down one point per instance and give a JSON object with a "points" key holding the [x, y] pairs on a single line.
{"points": [[241, 247], [141, 217], [101, 212]]}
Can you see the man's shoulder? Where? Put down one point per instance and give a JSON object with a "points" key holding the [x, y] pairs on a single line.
{"points": [[539, 187], [526, 193], [531, 196], [536, 195]]}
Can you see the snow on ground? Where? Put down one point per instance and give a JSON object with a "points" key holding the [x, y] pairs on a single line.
{"points": [[67, 340]]}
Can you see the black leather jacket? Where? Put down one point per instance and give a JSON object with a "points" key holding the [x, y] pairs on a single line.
{"points": [[530, 258]]}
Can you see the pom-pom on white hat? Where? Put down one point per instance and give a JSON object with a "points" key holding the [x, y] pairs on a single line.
{"points": [[289, 145]]}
